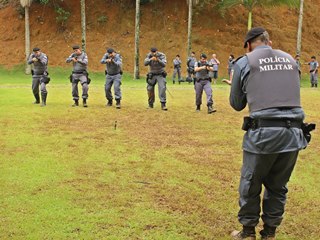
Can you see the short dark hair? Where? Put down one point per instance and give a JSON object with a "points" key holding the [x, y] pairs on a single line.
{"points": [[178, 55], [231, 55], [313, 57], [263, 37], [203, 55], [193, 53]]}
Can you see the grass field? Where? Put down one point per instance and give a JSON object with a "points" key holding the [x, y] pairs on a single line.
{"points": [[67, 173]]}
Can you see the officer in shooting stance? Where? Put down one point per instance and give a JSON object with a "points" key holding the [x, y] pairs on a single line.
{"points": [[39, 75], [79, 60], [190, 67], [113, 63], [203, 83], [157, 62], [268, 81]]}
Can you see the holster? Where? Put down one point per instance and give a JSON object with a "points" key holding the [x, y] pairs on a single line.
{"points": [[247, 123], [307, 128], [70, 78], [164, 74], [32, 72]]}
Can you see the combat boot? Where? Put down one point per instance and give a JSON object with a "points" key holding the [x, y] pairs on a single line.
{"points": [[44, 100], [173, 81], [268, 233], [211, 109], [198, 108], [150, 105], [316, 85], [118, 105], [37, 99], [85, 103], [109, 103], [240, 235], [163, 106], [76, 103]]}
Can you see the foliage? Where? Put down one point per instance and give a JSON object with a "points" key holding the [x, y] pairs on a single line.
{"points": [[102, 19], [63, 16]]}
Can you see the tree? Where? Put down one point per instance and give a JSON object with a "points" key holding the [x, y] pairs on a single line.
{"points": [[190, 3], [83, 24], [26, 5], [137, 41], [299, 35], [250, 4]]}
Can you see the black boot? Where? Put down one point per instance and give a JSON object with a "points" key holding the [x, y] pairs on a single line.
{"points": [[150, 105], [198, 108], [44, 100], [267, 232], [118, 104], [312, 85], [174, 81], [211, 109], [85, 103], [76, 103], [163, 106], [316, 85], [109, 103], [37, 97]]}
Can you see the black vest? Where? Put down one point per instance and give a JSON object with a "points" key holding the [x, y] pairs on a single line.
{"points": [[273, 81]]}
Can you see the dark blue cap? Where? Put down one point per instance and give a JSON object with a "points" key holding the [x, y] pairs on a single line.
{"points": [[154, 49], [110, 50], [74, 47], [36, 49]]}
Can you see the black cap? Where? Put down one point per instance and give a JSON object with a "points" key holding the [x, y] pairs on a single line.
{"points": [[153, 49], [203, 55], [36, 49], [110, 50], [74, 47], [254, 32]]}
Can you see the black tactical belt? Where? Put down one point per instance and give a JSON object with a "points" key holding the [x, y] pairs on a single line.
{"points": [[203, 79], [73, 72], [258, 123], [113, 74]]}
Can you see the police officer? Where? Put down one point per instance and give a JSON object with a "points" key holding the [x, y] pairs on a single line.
{"points": [[176, 69], [314, 65], [157, 62], [39, 75], [268, 81], [203, 83], [190, 67], [113, 63], [79, 60]]}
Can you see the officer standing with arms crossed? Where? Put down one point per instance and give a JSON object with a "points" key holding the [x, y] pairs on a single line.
{"points": [[79, 74], [177, 69], [39, 75], [203, 83], [157, 62], [268, 81], [113, 63]]}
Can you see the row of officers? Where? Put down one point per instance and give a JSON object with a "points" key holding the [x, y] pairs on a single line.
{"points": [[199, 71]]}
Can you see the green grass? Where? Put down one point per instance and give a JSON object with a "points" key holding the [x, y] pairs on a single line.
{"points": [[66, 173]]}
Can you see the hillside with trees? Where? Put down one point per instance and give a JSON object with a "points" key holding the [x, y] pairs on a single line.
{"points": [[56, 26]]}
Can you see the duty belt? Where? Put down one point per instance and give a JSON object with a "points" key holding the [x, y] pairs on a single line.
{"points": [[113, 74], [74, 72], [202, 79], [275, 122]]}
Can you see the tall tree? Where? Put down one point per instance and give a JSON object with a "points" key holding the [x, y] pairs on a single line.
{"points": [[299, 35], [250, 4], [83, 24], [137, 42], [190, 3], [26, 5]]}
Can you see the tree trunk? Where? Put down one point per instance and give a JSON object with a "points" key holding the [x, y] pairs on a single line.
{"points": [[137, 42], [189, 28], [83, 24], [299, 35], [27, 36], [250, 20]]}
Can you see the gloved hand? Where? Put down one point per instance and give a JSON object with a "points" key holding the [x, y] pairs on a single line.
{"points": [[35, 59]]}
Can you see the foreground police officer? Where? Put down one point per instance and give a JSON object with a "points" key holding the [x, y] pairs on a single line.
{"points": [[268, 81], [157, 62], [113, 63], [203, 83], [39, 75], [79, 74]]}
